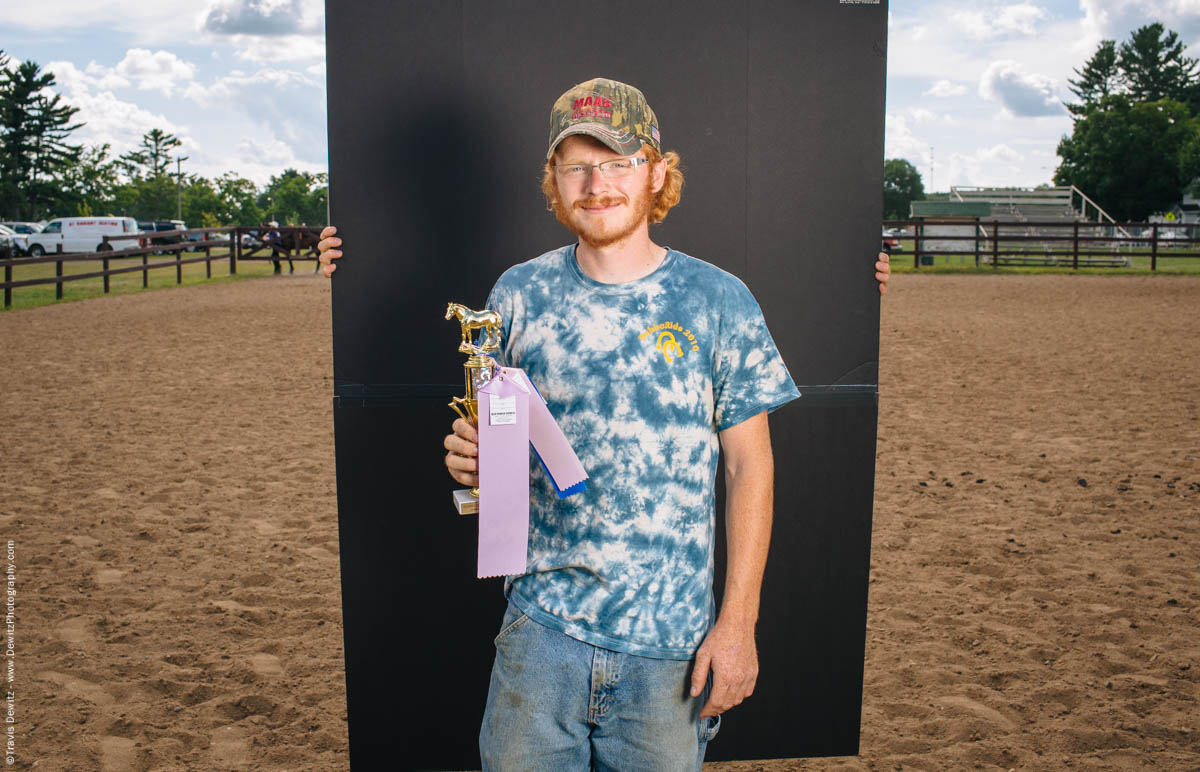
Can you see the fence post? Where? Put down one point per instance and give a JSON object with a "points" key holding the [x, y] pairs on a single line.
{"points": [[1075, 247], [995, 245], [917, 233], [104, 263], [179, 266], [976, 241], [7, 254], [145, 271], [207, 258], [58, 272], [1154, 247], [235, 249]]}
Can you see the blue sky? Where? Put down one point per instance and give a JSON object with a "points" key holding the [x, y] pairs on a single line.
{"points": [[974, 89]]}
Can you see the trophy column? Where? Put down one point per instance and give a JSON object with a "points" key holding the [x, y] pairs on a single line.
{"points": [[477, 371]]}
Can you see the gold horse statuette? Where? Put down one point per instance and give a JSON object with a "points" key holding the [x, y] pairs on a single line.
{"points": [[488, 321], [477, 371]]}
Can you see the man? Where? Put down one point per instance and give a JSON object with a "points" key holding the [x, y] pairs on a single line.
{"points": [[610, 655]]}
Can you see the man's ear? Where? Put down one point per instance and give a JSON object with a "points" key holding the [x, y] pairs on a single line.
{"points": [[659, 175]]}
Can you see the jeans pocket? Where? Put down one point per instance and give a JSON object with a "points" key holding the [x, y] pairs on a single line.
{"points": [[709, 726], [513, 619]]}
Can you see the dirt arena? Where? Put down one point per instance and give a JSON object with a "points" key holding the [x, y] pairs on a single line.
{"points": [[168, 489]]}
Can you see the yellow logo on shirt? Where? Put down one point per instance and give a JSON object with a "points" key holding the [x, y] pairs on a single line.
{"points": [[666, 341]]}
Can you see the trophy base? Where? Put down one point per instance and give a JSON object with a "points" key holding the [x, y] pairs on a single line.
{"points": [[465, 502]]}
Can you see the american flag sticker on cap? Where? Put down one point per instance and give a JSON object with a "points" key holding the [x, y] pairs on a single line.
{"points": [[654, 133]]}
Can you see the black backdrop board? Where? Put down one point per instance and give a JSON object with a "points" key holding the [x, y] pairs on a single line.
{"points": [[438, 116]]}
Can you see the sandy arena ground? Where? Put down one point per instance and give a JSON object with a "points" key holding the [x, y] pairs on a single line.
{"points": [[167, 484]]}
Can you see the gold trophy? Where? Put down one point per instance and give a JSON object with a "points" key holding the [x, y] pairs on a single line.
{"points": [[477, 371]]}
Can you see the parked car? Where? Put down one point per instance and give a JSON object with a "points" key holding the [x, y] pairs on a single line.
{"points": [[23, 227], [84, 234], [22, 231], [891, 243], [255, 238], [158, 226], [7, 237]]}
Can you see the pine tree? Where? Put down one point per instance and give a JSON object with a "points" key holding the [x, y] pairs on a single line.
{"points": [[34, 126], [148, 171], [1099, 77], [154, 157], [1153, 66]]}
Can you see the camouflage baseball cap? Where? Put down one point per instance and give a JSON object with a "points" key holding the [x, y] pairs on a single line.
{"points": [[612, 112]]}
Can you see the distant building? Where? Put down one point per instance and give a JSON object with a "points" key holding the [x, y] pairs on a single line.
{"points": [[955, 218], [1184, 212]]}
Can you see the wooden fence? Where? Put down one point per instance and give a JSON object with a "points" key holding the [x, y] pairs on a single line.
{"points": [[1068, 244], [292, 243]]}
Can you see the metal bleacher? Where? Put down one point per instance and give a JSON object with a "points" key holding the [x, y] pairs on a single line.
{"points": [[1047, 211]]}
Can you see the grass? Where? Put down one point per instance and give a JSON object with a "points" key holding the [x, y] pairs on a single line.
{"points": [[125, 283]]}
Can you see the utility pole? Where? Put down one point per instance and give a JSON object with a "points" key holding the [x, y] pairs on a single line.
{"points": [[930, 168], [179, 159]]}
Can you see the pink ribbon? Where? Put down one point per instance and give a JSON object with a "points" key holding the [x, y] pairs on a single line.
{"points": [[512, 416]]}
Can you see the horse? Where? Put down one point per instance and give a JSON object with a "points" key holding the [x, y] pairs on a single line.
{"points": [[282, 243], [488, 321]]}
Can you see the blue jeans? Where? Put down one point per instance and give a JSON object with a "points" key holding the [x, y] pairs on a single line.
{"points": [[556, 703]]}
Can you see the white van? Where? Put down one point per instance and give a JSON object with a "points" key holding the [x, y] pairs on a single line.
{"points": [[84, 234]]}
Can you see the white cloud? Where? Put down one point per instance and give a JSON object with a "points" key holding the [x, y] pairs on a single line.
{"points": [[259, 159], [285, 109], [994, 166], [1115, 19], [149, 71], [921, 115], [267, 30], [162, 22], [121, 124], [273, 153], [990, 22], [248, 89], [287, 49], [268, 18], [916, 49], [70, 80], [161, 70], [1020, 93], [900, 142], [944, 88], [103, 77]]}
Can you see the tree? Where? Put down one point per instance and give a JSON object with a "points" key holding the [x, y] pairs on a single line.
{"points": [[201, 203], [154, 158], [901, 186], [239, 205], [87, 186], [296, 197], [34, 126], [1129, 155], [1153, 66], [1099, 77], [148, 172]]}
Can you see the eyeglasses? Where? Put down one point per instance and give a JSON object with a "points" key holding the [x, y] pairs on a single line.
{"points": [[613, 170]]}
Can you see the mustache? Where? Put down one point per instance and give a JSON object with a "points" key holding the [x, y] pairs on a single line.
{"points": [[598, 201]]}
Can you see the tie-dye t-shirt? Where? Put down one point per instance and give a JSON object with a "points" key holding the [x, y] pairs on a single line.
{"points": [[641, 377]]}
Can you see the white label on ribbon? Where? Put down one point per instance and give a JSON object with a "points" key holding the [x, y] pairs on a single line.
{"points": [[503, 410]]}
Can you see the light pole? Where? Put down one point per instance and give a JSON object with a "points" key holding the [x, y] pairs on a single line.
{"points": [[179, 159]]}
